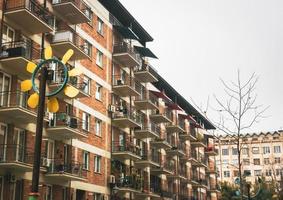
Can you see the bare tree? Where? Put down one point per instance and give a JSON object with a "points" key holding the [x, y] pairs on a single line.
{"points": [[238, 112]]}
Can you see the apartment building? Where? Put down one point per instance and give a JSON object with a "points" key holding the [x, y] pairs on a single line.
{"points": [[127, 135], [261, 157]]}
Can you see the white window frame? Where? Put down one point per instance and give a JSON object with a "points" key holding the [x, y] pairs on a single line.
{"points": [[86, 121], [99, 58], [226, 174], [86, 160], [277, 149], [98, 92], [100, 26], [97, 164], [87, 82], [266, 150], [51, 192], [98, 127]]}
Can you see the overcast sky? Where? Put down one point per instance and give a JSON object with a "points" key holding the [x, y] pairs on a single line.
{"points": [[199, 41]]}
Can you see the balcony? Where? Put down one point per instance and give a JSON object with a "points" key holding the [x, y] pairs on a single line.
{"points": [[211, 151], [127, 151], [200, 183], [63, 172], [198, 160], [211, 169], [16, 158], [176, 126], [164, 116], [146, 101], [71, 10], [162, 142], [145, 73], [166, 194], [163, 168], [15, 56], [69, 39], [78, 82], [125, 117], [125, 86], [150, 131], [187, 136], [178, 149], [148, 160], [199, 142], [30, 15], [14, 109], [213, 187], [128, 184], [63, 126], [150, 190], [125, 54]]}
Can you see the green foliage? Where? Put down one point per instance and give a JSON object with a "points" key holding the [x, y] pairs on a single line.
{"points": [[228, 191]]}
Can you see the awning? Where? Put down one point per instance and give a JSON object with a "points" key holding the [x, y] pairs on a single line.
{"points": [[173, 106], [145, 52], [126, 32], [160, 95]]}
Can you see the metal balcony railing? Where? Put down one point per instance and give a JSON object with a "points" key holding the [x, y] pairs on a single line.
{"points": [[126, 147], [34, 7], [22, 48], [151, 186], [166, 193], [146, 95], [12, 99], [62, 119], [127, 112], [130, 181], [151, 127], [124, 47], [121, 80], [74, 168], [79, 4]]}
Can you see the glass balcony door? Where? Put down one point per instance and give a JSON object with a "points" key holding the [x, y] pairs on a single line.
{"points": [[19, 141], [3, 139], [5, 86]]}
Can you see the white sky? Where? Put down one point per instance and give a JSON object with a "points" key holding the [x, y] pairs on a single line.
{"points": [[199, 41]]}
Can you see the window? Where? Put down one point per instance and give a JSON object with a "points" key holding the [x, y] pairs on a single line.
{"points": [[98, 123], [86, 85], [86, 121], [224, 161], [245, 151], [266, 161], [87, 48], [225, 152], [88, 13], [85, 160], [226, 174], [277, 149], [255, 150], [266, 150], [257, 172], [98, 92], [279, 172], [256, 161], [99, 58], [48, 194], [97, 164], [234, 151], [246, 161], [97, 196], [8, 34], [235, 161], [100, 26], [247, 172], [277, 160], [268, 172]]}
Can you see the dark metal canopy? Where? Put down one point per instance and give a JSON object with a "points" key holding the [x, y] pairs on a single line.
{"points": [[127, 20], [126, 32], [162, 85], [145, 52]]}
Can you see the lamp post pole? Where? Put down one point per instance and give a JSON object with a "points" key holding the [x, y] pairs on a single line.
{"points": [[34, 194]]}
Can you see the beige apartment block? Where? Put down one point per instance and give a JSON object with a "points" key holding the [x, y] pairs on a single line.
{"points": [[261, 156]]}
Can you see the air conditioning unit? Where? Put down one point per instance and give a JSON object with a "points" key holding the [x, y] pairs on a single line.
{"points": [[112, 179], [46, 162], [111, 108]]}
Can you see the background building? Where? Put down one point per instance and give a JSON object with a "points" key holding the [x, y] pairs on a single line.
{"points": [[128, 134], [261, 156]]}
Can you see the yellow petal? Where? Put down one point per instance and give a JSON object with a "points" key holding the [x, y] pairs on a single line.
{"points": [[70, 91], [48, 53], [31, 67], [53, 105], [75, 72], [33, 100], [67, 56], [26, 85]]}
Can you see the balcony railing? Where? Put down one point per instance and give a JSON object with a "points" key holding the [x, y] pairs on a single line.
{"points": [[126, 112], [127, 147], [22, 48], [152, 127], [34, 7], [145, 73], [166, 194], [148, 97], [124, 47], [152, 186], [10, 153], [130, 181], [120, 82]]}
